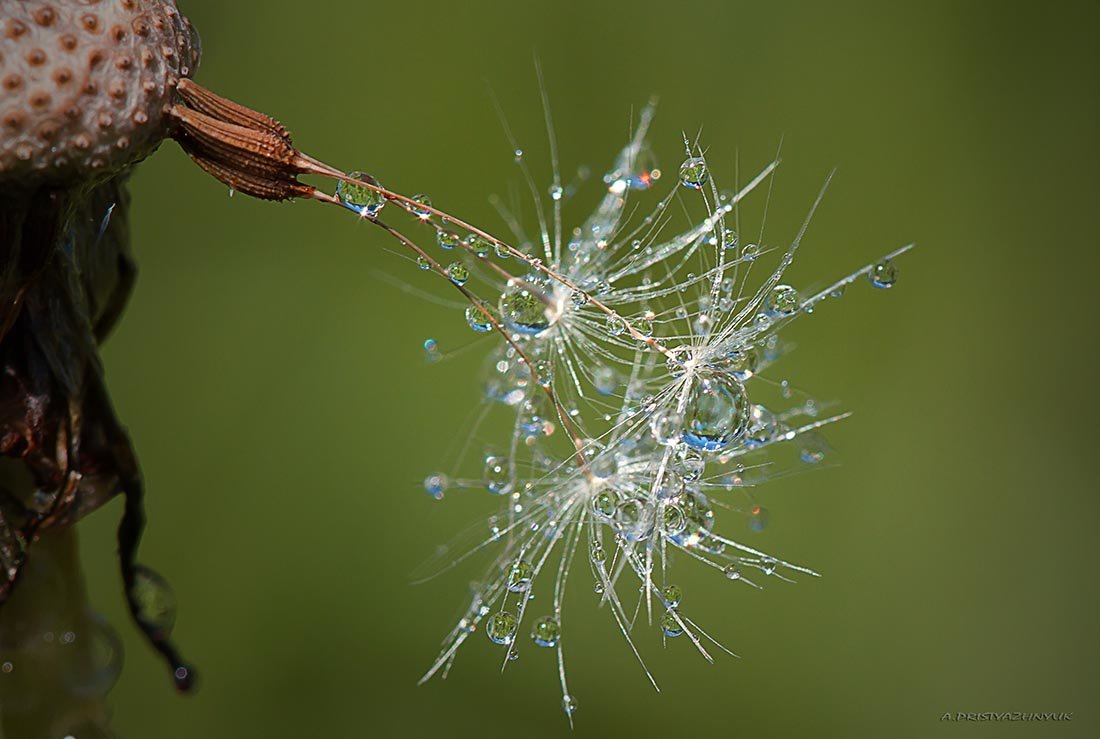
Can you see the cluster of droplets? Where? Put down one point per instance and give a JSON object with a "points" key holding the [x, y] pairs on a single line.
{"points": [[628, 357]]}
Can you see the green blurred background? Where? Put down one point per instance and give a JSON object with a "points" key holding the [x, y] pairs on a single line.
{"points": [[276, 389]]}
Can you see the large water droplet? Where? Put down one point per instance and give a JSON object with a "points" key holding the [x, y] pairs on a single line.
{"points": [[605, 502], [477, 320], [519, 579], [783, 300], [501, 628], [523, 311], [360, 199], [458, 273], [884, 274], [693, 173], [717, 412], [672, 596], [447, 239], [670, 625], [421, 212], [545, 632]]}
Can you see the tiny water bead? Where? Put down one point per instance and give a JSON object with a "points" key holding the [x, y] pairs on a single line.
{"points": [[447, 239], [783, 300], [758, 518], [154, 601], [672, 596], [423, 262], [569, 705], [523, 311], [670, 625], [546, 632], [497, 475], [732, 571], [358, 198], [519, 579], [598, 554], [431, 351], [693, 173], [884, 274], [717, 412], [477, 319], [458, 273], [501, 628], [436, 484]]}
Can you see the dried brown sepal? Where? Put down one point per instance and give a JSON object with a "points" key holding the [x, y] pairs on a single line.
{"points": [[253, 161], [205, 101]]}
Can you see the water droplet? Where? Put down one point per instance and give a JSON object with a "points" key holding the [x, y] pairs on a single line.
{"points": [[677, 360], [615, 325], [569, 705], [693, 173], [477, 319], [519, 579], [523, 311], [742, 363], [672, 485], [153, 600], [758, 518], [436, 484], [732, 571], [458, 273], [479, 245], [497, 476], [598, 554], [884, 274], [422, 213], [578, 298], [501, 628], [360, 199], [447, 239], [644, 326], [672, 595], [545, 632], [605, 379], [431, 351], [605, 502], [423, 263], [544, 370], [555, 192], [717, 412], [692, 464], [674, 520], [769, 565], [813, 450], [763, 427], [666, 427], [750, 252], [634, 518], [670, 625], [783, 300]]}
